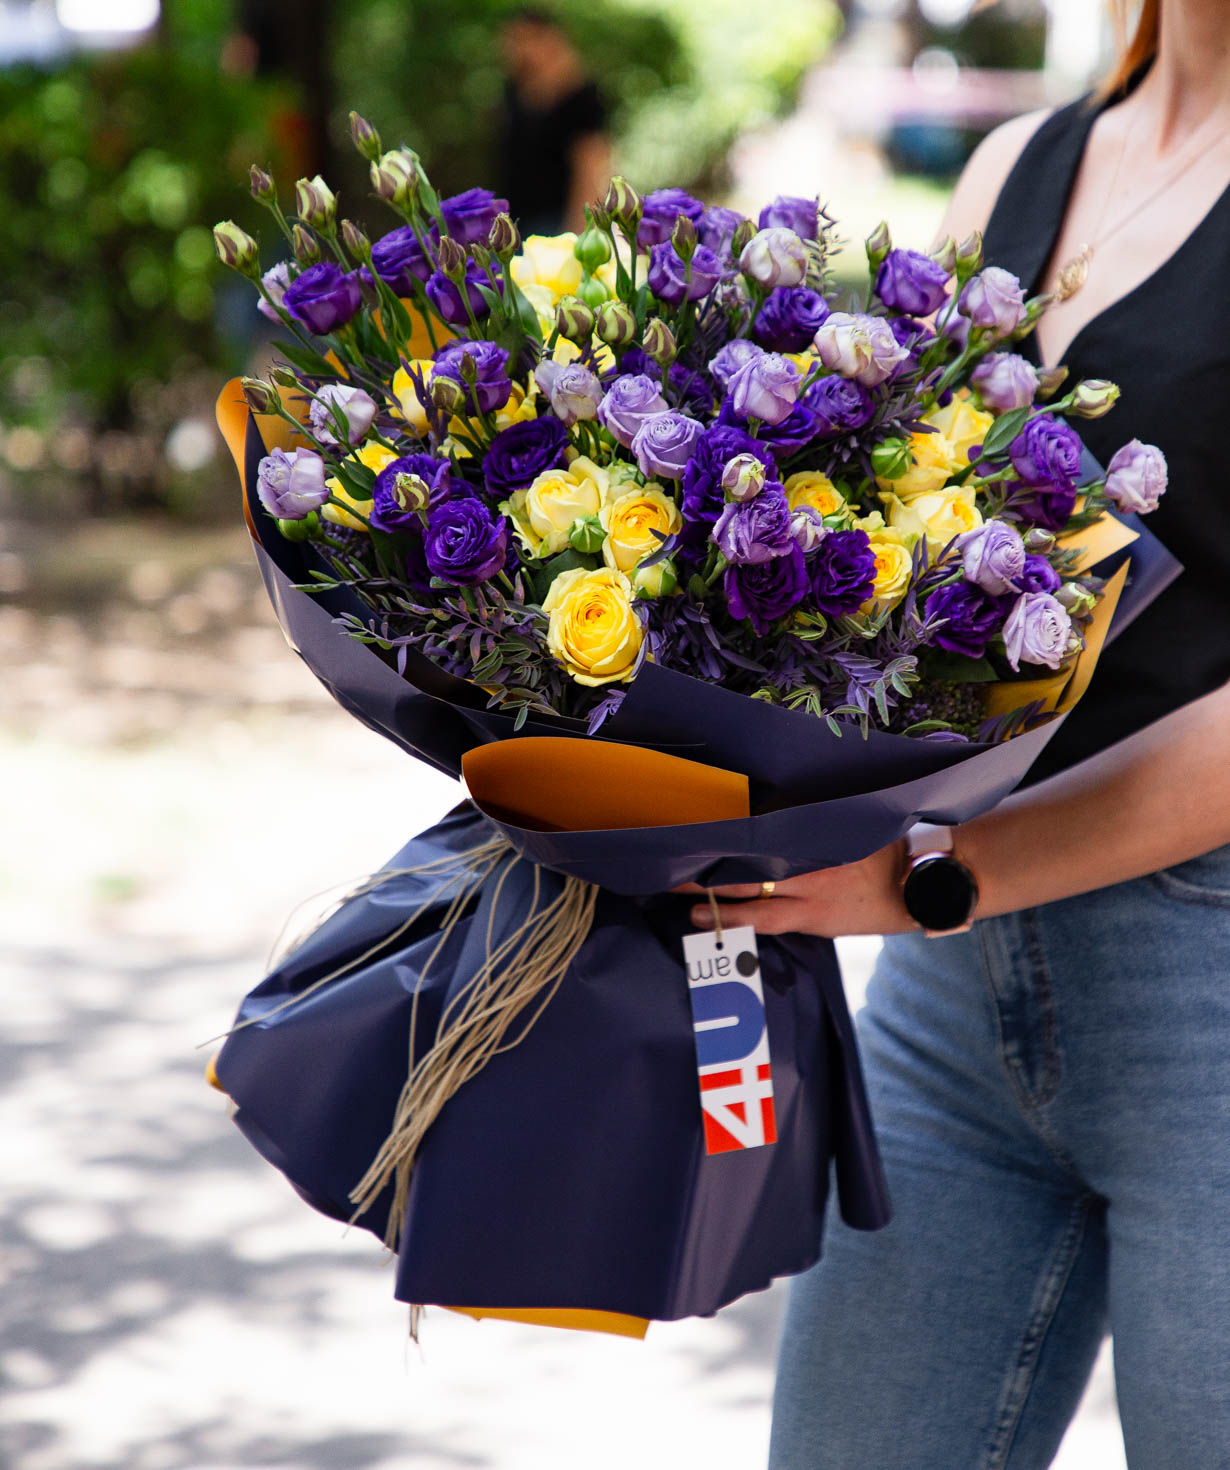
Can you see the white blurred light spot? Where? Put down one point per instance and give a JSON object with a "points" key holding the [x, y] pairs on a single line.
{"points": [[936, 70], [191, 445], [98, 16], [945, 13]]}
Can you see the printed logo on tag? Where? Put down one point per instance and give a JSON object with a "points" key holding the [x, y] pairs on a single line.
{"points": [[732, 1042]]}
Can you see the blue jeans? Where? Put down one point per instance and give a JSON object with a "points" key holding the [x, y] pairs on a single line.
{"points": [[1052, 1096]]}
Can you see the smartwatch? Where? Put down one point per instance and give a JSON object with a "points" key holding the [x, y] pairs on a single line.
{"points": [[939, 892]]}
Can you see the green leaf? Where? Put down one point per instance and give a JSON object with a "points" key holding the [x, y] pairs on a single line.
{"points": [[956, 668], [305, 360], [1004, 431]]}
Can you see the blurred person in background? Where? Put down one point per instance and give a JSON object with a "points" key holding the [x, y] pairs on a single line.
{"points": [[552, 151]]}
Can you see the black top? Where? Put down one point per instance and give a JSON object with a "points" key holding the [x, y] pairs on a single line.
{"points": [[1167, 345], [534, 154]]}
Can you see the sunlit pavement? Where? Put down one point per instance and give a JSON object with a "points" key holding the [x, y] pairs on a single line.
{"points": [[167, 1302]]}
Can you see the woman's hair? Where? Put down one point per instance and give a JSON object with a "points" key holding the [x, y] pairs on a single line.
{"points": [[1134, 48]]}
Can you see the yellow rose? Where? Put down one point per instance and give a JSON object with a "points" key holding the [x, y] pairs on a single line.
{"points": [[817, 492], [407, 396], [593, 631], [373, 457], [542, 299], [933, 460], [961, 424], [939, 515], [543, 513], [894, 567], [630, 522], [565, 351], [547, 260]]}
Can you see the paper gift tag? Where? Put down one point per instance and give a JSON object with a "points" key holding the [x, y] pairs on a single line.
{"points": [[732, 1042]]}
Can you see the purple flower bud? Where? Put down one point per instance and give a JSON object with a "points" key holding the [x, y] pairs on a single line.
{"points": [[731, 358], [765, 388], [674, 281], [491, 388], [1036, 631], [743, 477], [775, 257], [993, 556], [662, 208], [291, 486], [766, 591], [629, 402], [355, 407], [470, 215], [790, 212], [911, 282], [663, 444], [1136, 477], [757, 530], [275, 281], [860, 347], [323, 298], [1005, 381], [790, 318], [993, 299], [807, 527], [573, 390]]}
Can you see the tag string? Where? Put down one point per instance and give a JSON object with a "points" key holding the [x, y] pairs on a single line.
{"points": [[717, 915]]}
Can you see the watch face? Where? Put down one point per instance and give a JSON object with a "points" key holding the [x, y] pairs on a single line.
{"points": [[940, 893]]}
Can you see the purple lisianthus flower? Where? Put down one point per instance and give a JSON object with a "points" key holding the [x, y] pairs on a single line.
{"points": [[910, 332], [765, 591], [790, 318], [1050, 506], [859, 346], [731, 358], [357, 409], [1005, 381], [662, 208], [774, 257], [755, 530], [519, 454], [1036, 631], [790, 212], [911, 282], [399, 260], [574, 392], [691, 390], [464, 542], [971, 616], [674, 281], [840, 405], [716, 228], [323, 298], [469, 215], [994, 299], [445, 294], [291, 486], [491, 389], [993, 556], [765, 388], [1136, 477], [275, 281], [663, 444], [703, 496], [1046, 452], [1038, 575], [388, 513], [629, 402], [842, 572], [796, 431]]}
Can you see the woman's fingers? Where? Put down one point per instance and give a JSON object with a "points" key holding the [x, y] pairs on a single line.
{"points": [[765, 915], [731, 891]]}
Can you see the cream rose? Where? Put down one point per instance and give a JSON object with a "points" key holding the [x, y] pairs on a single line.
{"points": [[961, 424], [543, 513], [939, 515]]}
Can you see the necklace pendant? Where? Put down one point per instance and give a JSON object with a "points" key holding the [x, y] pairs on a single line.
{"points": [[1073, 274]]}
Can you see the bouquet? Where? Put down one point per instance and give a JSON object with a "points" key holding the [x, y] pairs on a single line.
{"points": [[698, 572]]}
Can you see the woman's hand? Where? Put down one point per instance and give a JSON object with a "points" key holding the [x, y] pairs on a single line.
{"points": [[859, 898]]}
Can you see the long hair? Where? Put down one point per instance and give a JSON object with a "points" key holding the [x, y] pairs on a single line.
{"points": [[1133, 48]]}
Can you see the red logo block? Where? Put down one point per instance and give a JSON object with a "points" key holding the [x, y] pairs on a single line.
{"points": [[738, 1108]]}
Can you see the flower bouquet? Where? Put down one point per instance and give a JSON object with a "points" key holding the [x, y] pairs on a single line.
{"points": [[695, 573]]}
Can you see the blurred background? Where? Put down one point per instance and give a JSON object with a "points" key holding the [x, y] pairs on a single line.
{"points": [[175, 782]]}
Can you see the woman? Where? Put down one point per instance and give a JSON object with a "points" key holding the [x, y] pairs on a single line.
{"points": [[1052, 1089]]}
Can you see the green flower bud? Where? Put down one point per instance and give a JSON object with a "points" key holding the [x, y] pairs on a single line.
{"points": [[482, 257], [315, 203], [592, 292], [301, 530], [1077, 598], [395, 177], [592, 250], [504, 239], [945, 254], [587, 534], [1093, 397], [1038, 540], [739, 241], [468, 369], [890, 459], [969, 255], [447, 395], [615, 323], [658, 342], [659, 580], [261, 186], [261, 397], [285, 377], [237, 249], [1074, 645], [1050, 380], [452, 258], [623, 204], [573, 319], [683, 237], [411, 492], [599, 218], [365, 137], [878, 244], [305, 246], [356, 241]]}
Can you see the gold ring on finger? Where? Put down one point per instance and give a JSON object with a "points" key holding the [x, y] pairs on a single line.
{"points": [[768, 888]]}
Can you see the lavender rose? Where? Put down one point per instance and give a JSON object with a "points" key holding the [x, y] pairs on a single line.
{"points": [[790, 318], [1037, 631], [756, 530], [911, 282], [839, 404], [356, 408], [843, 572], [790, 212], [716, 228], [1005, 381], [574, 391], [291, 486], [859, 346], [520, 453], [1136, 477], [491, 389], [323, 298], [731, 358], [993, 556], [993, 299], [399, 260], [765, 388], [275, 281], [971, 616], [675, 281], [765, 591], [629, 402], [1038, 575], [445, 295], [469, 215], [663, 444], [662, 208], [774, 257], [464, 543], [703, 496]]}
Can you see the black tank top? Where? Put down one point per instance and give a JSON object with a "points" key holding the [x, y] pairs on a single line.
{"points": [[1167, 344]]}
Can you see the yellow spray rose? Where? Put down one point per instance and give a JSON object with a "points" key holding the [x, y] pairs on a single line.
{"points": [[939, 515], [893, 550], [961, 424], [407, 396], [815, 491], [547, 260], [932, 461], [543, 513], [592, 629], [630, 522], [373, 457]]}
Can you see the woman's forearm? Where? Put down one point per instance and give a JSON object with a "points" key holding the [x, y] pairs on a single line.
{"points": [[1160, 797]]}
